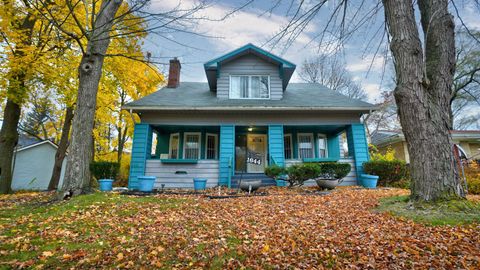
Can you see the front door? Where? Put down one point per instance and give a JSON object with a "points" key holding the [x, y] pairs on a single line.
{"points": [[256, 153]]}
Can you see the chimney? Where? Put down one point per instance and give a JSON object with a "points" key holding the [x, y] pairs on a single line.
{"points": [[174, 73]]}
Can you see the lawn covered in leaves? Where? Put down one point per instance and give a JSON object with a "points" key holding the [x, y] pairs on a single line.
{"points": [[281, 230]]}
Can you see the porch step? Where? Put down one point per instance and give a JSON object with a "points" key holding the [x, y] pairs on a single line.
{"points": [[266, 181]]}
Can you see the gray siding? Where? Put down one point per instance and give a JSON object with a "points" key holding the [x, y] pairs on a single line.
{"points": [[165, 173], [33, 168], [249, 65], [246, 118], [349, 180]]}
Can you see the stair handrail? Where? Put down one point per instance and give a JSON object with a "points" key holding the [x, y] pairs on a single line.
{"points": [[272, 160], [230, 165]]}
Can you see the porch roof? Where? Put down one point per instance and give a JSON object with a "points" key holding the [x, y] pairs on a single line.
{"points": [[299, 97]]}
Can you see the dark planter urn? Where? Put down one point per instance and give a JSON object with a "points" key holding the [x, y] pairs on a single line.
{"points": [[250, 185], [327, 183]]}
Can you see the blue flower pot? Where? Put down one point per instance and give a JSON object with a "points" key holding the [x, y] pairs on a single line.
{"points": [[281, 183], [105, 184], [369, 181], [199, 183], [145, 183]]}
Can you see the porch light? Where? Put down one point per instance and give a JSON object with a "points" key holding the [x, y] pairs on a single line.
{"points": [[250, 129]]}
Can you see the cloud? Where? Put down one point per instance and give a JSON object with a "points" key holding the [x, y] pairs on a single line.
{"points": [[241, 27], [367, 63], [373, 90], [470, 17]]}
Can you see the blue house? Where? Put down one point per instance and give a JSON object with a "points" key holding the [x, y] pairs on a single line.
{"points": [[245, 117]]}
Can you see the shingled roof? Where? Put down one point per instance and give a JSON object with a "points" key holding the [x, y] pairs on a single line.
{"points": [[299, 96]]}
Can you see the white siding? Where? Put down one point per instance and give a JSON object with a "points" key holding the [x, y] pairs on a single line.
{"points": [[349, 180], [249, 65], [166, 175], [33, 168]]}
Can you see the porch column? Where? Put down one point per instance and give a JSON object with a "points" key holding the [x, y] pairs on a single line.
{"points": [[227, 154], [141, 147], [275, 145], [357, 146]]}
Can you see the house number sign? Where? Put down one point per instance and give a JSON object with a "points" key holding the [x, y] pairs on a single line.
{"points": [[254, 158], [255, 161]]}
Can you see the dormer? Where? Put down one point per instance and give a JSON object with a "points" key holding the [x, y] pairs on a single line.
{"points": [[249, 72]]}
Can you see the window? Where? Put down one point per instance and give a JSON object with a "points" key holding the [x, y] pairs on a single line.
{"points": [[287, 146], [305, 145], [211, 146], [191, 145], [343, 145], [173, 146], [254, 87], [322, 146], [153, 149]]}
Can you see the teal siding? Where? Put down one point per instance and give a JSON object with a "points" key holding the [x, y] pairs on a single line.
{"points": [[227, 154], [142, 144], [357, 146], [163, 141], [333, 145], [275, 144]]}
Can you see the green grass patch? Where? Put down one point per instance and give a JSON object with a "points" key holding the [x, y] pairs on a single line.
{"points": [[455, 212], [26, 221], [232, 243]]}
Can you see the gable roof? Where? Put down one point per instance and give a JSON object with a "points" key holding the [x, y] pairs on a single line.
{"points": [[25, 140], [213, 67], [300, 96], [382, 137], [36, 144]]}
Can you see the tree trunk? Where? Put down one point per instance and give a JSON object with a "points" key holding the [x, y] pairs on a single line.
{"points": [[422, 94], [11, 116], [8, 141], [77, 175], [61, 150]]}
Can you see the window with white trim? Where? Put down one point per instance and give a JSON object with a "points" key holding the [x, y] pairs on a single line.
{"points": [[249, 87], [287, 146], [322, 146], [211, 146], [305, 145], [191, 145], [173, 146]]}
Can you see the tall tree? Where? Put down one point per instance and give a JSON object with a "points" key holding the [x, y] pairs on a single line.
{"points": [[466, 83], [423, 93], [424, 69], [27, 39], [36, 120], [102, 21], [330, 71], [124, 80]]}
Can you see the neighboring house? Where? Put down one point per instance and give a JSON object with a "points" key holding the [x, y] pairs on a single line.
{"points": [[246, 117], [33, 164], [468, 142]]}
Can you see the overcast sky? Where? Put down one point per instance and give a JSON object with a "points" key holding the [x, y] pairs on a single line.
{"points": [[250, 26]]}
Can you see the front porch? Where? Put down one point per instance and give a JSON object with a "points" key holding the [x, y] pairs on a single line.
{"points": [[177, 154]]}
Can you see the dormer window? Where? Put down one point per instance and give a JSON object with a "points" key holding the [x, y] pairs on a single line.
{"points": [[249, 87]]}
